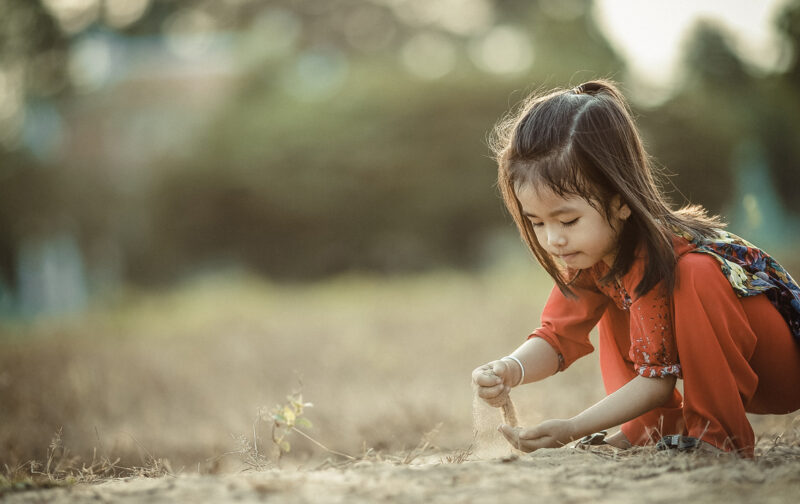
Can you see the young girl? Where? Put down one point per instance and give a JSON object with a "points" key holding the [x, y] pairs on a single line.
{"points": [[674, 296]]}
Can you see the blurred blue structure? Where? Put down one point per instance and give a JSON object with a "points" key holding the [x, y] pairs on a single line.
{"points": [[757, 213], [138, 102], [51, 276]]}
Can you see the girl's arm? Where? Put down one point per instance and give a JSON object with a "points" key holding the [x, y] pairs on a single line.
{"points": [[562, 338], [539, 359], [495, 379], [635, 398]]}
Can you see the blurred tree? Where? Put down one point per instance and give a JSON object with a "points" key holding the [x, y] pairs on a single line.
{"points": [[32, 48], [391, 173], [711, 60], [695, 133], [780, 119], [788, 24], [722, 106], [354, 138]]}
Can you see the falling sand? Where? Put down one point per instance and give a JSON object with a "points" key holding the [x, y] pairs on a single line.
{"points": [[488, 442], [509, 413]]}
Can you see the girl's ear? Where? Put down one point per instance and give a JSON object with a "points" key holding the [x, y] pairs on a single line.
{"points": [[624, 211], [621, 208]]}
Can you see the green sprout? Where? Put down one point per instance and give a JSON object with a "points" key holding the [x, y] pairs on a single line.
{"points": [[286, 418]]}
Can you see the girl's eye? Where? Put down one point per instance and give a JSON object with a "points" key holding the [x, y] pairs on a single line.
{"points": [[537, 224], [570, 223]]}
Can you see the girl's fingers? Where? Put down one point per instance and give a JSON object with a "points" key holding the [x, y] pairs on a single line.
{"points": [[529, 445], [486, 379], [511, 434], [499, 368], [531, 433], [491, 392], [527, 440]]}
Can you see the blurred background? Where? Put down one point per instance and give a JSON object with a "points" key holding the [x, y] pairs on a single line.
{"points": [[205, 205]]}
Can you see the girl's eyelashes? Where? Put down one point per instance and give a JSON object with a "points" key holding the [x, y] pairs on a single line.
{"points": [[565, 224]]}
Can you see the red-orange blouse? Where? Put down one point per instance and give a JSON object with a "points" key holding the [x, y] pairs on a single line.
{"points": [[566, 322]]}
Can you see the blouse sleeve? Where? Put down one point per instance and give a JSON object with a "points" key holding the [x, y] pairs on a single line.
{"points": [[566, 322], [653, 350]]}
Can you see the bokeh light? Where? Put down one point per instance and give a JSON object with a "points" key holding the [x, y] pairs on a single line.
{"points": [[90, 63], [316, 74], [370, 28], [190, 33], [272, 35], [429, 55], [123, 13], [74, 15], [463, 17], [503, 50]]}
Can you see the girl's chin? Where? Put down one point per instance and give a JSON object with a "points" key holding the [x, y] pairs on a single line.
{"points": [[576, 261]]}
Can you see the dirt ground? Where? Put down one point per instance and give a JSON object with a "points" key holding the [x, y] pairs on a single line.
{"points": [[171, 385], [554, 476]]}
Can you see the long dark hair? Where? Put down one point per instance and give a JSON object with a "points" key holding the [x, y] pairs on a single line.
{"points": [[583, 142]]}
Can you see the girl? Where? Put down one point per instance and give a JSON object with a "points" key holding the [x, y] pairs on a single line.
{"points": [[674, 296]]}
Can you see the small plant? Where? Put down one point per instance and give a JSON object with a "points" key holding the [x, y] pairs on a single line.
{"points": [[286, 418], [283, 420]]}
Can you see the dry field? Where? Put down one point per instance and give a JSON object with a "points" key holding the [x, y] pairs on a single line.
{"points": [[157, 397]]}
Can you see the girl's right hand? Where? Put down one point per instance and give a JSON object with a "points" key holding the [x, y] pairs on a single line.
{"points": [[493, 382]]}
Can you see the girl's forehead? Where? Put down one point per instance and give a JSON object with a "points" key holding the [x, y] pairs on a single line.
{"points": [[545, 198]]}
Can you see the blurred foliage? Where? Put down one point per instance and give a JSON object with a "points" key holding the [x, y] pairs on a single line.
{"points": [[720, 105], [389, 171]]}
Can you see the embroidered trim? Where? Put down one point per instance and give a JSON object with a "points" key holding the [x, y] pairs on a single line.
{"points": [[660, 371], [624, 296], [560, 362]]}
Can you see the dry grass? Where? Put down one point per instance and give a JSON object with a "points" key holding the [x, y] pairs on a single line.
{"points": [[177, 373], [170, 382]]}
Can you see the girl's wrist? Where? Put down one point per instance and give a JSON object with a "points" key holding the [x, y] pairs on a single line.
{"points": [[578, 428], [518, 369]]}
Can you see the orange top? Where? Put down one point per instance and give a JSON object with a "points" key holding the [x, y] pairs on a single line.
{"points": [[566, 322]]}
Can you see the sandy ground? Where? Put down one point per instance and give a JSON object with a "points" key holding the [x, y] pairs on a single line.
{"points": [[559, 476], [180, 376]]}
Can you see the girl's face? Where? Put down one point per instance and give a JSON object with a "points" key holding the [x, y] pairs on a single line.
{"points": [[572, 230]]}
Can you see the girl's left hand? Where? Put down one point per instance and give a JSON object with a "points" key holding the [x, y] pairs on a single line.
{"points": [[549, 434]]}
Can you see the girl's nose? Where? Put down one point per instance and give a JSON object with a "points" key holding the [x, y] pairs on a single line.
{"points": [[556, 238]]}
